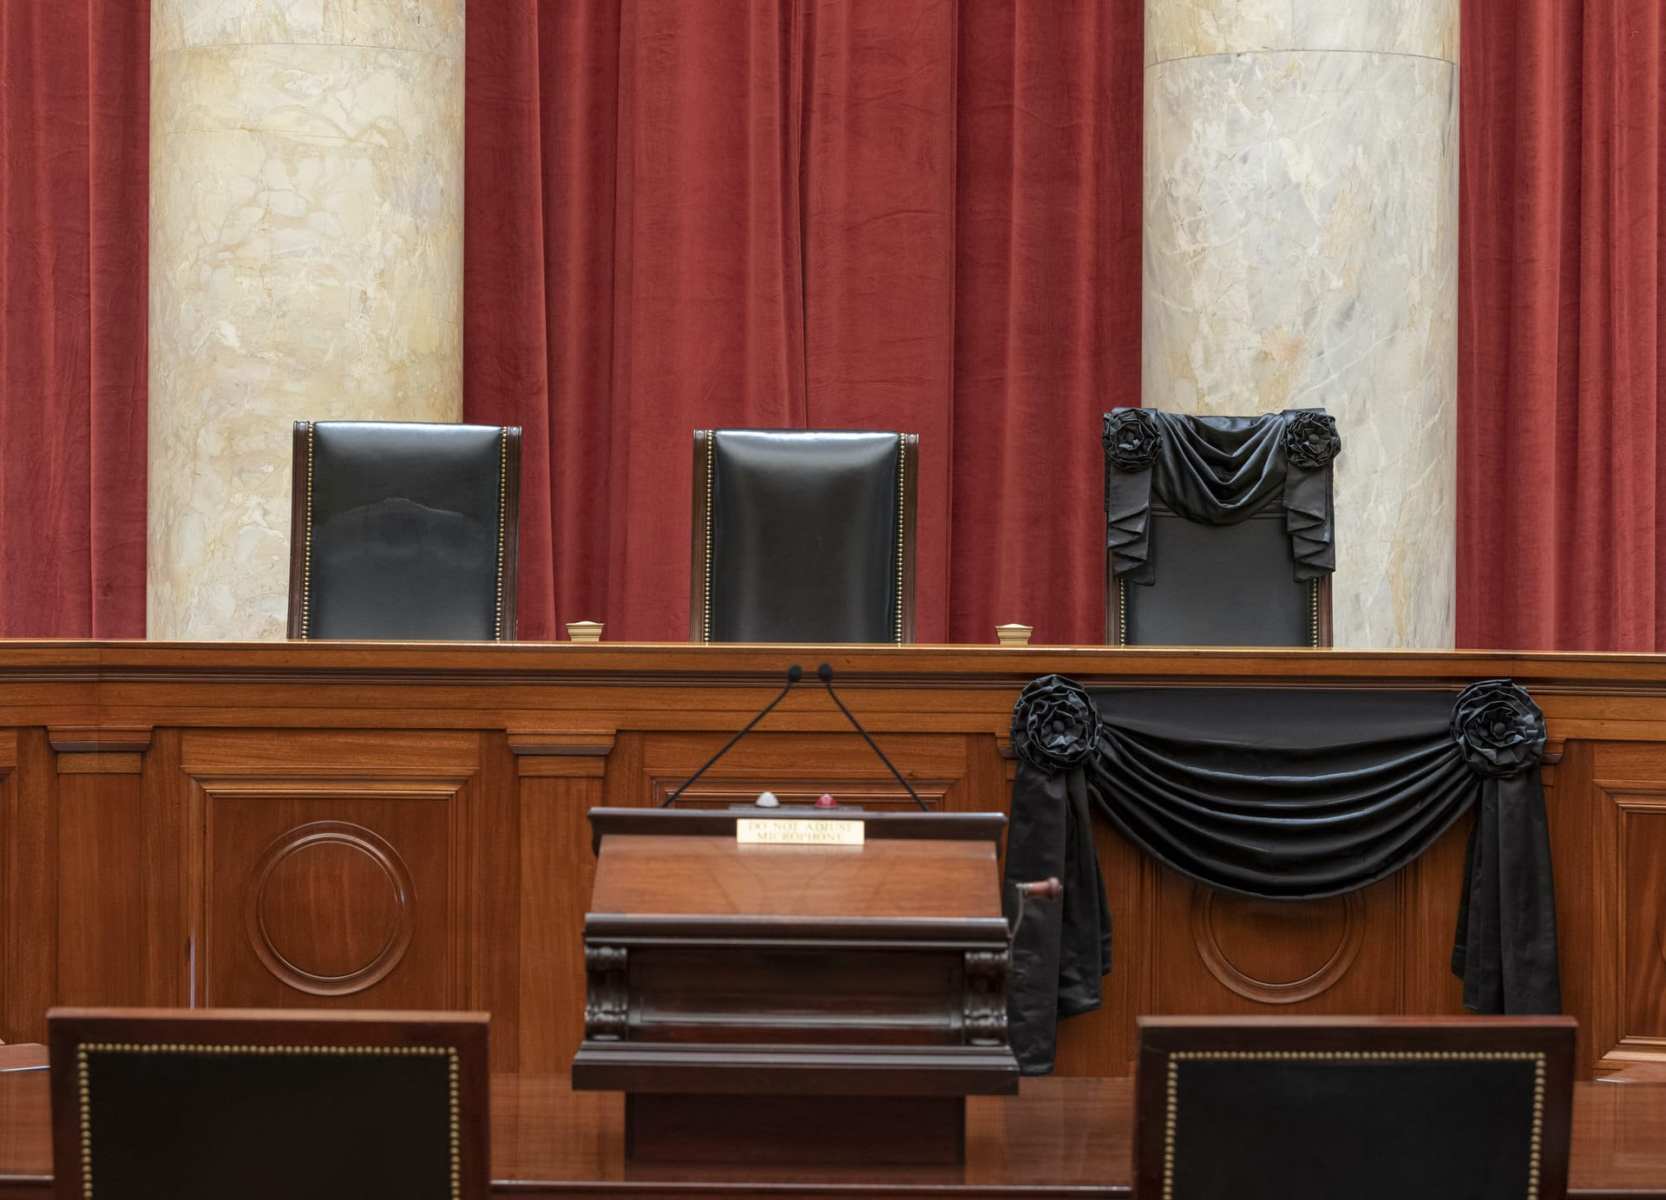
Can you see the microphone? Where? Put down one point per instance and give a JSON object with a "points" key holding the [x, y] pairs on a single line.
{"points": [[825, 674], [794, 674], [1042, 889]]}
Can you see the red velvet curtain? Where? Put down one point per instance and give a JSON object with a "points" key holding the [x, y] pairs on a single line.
{"points": [[1561, 444], [74, 217], [805, 213]]}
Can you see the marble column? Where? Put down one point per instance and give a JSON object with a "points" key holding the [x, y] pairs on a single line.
{"points": [[306, 261], [1301, 224]]}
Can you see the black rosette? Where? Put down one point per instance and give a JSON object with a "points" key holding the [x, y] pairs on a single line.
{"points": [[1054, 724], [1132, 439], [1311, 440], [1498, 727]]}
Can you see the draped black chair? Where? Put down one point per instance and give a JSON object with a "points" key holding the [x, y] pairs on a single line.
{"points": [[203, 1104], [404, 530], [803, 536], [1371, 1108], [1219, 530]]}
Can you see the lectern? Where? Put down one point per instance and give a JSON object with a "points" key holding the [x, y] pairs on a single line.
{"points": [[813, 986]]}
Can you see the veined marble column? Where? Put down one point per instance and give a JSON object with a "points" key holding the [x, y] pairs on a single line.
{"points": [[306, 262], [1301, 219]]}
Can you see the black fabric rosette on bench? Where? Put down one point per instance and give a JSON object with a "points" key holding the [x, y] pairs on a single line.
{"points": [[1281, 793]]}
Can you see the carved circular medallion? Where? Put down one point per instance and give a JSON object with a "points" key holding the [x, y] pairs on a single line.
{"points": [[1281, 952], [328, 909]]}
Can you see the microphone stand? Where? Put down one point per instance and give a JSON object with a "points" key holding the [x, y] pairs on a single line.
{"points": [[794, 674], [825, 674]]}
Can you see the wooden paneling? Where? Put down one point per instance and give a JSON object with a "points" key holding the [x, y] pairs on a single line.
{"points": [[1642, 871], [143, 788], [1220, 953], [557, 870], [335, 867], [105, 907], [1625, 824]]}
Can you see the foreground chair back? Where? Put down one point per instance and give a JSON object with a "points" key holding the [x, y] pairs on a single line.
{"points": [[803, 536], [263, 1104], [404, 530], [1371, 1108]]}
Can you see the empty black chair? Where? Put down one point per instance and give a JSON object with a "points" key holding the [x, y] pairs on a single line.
{"points": [[1371, 1108], [803, 536], [1219, 530], [404, 530], [267, 1105]]}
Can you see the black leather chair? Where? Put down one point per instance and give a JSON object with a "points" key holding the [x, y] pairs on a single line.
{"points": [[267, 1105], [404, 530], [803, 536], [1219, 529], [1371, 1108]]}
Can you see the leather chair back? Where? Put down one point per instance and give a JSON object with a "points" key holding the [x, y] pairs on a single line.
{"points": [[1205, 515], [803, 536], [404, 530], [260, 1104], [1455, 1108], [1220, 585]]}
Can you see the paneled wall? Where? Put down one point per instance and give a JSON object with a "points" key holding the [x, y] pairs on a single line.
{"points": [[356, 825]]}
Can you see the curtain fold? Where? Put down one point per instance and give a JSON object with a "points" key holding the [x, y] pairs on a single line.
{"points": [[74, 220], [805, 214], [1561, 446]]}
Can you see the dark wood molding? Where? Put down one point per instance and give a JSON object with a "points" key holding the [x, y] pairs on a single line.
{"points": [[99, 750], [694, 822]]}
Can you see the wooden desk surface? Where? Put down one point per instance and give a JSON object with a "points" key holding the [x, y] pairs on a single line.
{"points": [[1059, 1137], [714, 876]]}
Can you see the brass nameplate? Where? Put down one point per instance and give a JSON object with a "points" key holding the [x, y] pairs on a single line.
{"points": [[797, 831]]}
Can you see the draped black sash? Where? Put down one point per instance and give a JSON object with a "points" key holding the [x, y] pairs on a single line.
{"points": [[1286, 794], [1219, 471]]}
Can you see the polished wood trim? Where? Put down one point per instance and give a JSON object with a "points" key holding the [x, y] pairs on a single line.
{"points": [[182, 666], [511, 485], [886, 826], [853, 1071], [783, 933], [581, 754], [907, 599], [99, 750], [700, 547], [300, 456], [97, 739], [1324, 636]]}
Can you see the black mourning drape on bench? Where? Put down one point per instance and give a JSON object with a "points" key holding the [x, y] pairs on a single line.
{"points": [[1287, 794]]}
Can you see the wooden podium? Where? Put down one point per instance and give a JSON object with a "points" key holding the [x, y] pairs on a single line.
{"points": [[795, 1003]]}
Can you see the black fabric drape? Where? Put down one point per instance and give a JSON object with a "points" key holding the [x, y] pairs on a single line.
{"points": [[1219, 471], [1297, 794], [1063, 947]]}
